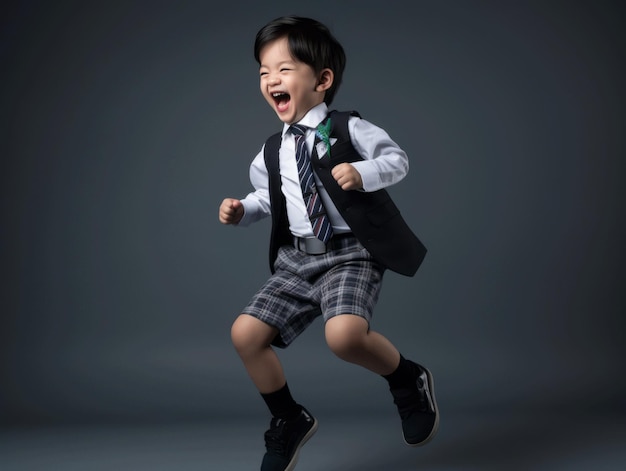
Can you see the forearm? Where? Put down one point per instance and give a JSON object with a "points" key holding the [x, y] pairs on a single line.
{"points": [[380, 173], [256, 205], [385, 163]]}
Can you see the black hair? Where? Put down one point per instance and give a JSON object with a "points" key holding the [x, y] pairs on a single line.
{"points": [[310, 42]]}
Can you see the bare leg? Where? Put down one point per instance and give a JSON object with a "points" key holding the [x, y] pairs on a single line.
{"points": [[349, 338], [252, 338]]}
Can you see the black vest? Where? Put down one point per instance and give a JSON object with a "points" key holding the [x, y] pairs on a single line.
{"points": [[372, 216]]}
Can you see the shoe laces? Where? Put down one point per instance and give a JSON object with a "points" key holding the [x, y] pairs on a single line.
{"points": [[276, 437], [415, 398]]}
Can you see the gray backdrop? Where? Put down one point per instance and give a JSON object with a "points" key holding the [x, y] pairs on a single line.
{"points": [[124, 124]]}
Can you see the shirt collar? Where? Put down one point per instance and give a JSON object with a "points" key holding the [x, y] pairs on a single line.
{"points": [[313, 117]]}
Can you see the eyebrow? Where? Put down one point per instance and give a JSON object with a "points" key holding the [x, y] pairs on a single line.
{"points": [[290, 62]]}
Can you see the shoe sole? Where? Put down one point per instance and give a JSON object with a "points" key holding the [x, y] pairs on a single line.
{"points": [[309, 434], [433, 432]]}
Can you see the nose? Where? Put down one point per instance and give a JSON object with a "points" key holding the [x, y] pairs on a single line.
{"points": [[273, 79]]}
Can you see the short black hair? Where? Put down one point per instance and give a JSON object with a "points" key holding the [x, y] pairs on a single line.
{"points": [[310, 42]]}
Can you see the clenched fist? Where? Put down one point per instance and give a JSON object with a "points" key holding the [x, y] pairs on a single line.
{"points": [[231, 211], [347, 177]]}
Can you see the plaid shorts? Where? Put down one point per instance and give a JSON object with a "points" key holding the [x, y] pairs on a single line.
{"points": [[345, 280]]}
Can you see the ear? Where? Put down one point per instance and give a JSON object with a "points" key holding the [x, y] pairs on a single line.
{"points": [[325, 80]]}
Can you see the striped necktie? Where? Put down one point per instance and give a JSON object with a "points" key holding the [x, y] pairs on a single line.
{"points": [[317, 215]]}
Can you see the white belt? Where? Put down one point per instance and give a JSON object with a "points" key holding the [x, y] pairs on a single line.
{"points": [[314, 246], [310, 245]]}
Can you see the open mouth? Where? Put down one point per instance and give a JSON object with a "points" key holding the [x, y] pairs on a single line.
{"points": [[281, 99]]}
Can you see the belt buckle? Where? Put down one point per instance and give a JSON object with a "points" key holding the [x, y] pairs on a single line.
{"points": [[311, 245]]}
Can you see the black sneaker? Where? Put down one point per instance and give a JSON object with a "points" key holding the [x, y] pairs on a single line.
{"points": [[417, 408], [284, 439]]}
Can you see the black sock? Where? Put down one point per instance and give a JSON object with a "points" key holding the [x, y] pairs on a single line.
{"points": [[281, 404], [403, 375]]}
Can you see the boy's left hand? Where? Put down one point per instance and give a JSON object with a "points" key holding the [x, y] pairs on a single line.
{"points": [[347, 177]]}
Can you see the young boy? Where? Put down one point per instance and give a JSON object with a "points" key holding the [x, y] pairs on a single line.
{"points": [[334, 232]]}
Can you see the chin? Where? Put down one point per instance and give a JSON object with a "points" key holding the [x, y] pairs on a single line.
{"points": [[286, 118]]}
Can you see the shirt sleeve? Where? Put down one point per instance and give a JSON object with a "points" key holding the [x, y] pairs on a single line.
{"points": [[256, 205], [385, 163]]}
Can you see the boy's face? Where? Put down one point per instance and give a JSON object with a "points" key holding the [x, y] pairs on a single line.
{"points": [[290, 87]]}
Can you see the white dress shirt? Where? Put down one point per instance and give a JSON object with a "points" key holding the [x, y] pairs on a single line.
{"points": [[384, 164]]}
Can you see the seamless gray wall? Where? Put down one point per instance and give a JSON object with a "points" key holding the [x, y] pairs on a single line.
{"points": [[124, 124]]}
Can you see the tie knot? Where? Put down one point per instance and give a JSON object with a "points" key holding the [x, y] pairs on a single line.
{"points": [[298, 129]]}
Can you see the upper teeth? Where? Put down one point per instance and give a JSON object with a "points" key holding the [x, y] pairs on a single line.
{"points": [[275, 94]]}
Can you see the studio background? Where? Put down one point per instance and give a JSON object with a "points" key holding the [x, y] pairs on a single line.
{"points": [[124, 124]]}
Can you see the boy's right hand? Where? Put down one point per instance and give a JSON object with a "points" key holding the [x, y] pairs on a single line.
{"points": [[231, 211]]}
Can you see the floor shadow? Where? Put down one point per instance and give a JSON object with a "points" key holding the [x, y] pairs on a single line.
{"points": [[525, 442]]}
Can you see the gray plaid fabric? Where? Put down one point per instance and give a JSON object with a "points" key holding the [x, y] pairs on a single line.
{"points": [[345, 280]]}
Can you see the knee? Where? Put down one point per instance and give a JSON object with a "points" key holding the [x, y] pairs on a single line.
{"points": [[242, 334], [345, 335], [249, 334]]}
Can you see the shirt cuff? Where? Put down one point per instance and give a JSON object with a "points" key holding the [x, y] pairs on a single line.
{"points": [[369, 177], [246, 219]]}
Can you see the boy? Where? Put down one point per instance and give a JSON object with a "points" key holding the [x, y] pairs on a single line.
{"points": [[334, 232]]}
